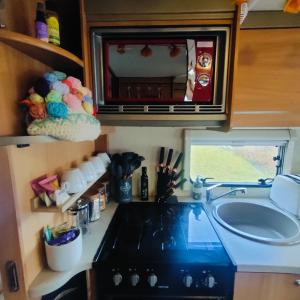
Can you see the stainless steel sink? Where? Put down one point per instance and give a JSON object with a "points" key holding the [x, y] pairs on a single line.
{"points": [[258, 222]]}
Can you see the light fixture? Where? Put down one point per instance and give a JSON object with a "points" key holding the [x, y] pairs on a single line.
{"points": [[174, 51], [121, 49], [146, 51]]}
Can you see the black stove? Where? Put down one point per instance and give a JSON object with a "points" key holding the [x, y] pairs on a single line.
{"points": [[162, 251]]}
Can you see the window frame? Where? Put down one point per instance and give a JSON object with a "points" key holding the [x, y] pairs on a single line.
{"points": [[283, 138]]}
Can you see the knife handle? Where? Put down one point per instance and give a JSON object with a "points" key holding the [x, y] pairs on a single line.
{"points": [[161, 155], [179, 158], [178, 175], [170, 154]]}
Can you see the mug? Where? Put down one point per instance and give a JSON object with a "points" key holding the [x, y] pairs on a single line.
{"points": [[88, 171], [73, 181], [105, 158], [98, 165]]}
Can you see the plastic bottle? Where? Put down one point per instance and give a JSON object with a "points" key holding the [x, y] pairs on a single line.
{"points": [[144, 184], [53, 24], [197, 188], [41, 27]]}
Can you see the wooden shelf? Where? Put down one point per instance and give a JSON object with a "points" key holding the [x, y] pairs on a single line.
{"points": [[49, 54], [26, 140], [36, 205]]}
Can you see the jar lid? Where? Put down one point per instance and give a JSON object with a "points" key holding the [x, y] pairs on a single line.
{"points": [[79, 205]]}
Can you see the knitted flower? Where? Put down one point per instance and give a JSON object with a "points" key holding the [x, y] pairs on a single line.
{"points": [[88, 108], [88, 99], [50, 77], [36, 98], [53, 96], [60, 75], [57, 110], [61, 88], [42, 87], [75, 83], [73, 102], [38, 111], [77, 93]]}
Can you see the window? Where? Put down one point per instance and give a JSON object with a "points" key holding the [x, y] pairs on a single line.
{"points": [[239, 156]]}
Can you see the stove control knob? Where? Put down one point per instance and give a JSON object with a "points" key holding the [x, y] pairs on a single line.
{"points": [[210, 281], [187, 280], [152, 279], [117, 279], [134, 279]]}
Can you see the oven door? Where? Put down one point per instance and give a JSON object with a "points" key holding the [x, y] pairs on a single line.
{"points": [[157, 297]]}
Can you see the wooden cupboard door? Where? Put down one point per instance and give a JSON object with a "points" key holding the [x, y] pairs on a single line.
{"points": [[10, 238], [266, 286], [268, 79]]}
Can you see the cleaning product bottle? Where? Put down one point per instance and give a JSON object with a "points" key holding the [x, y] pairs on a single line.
{"points": [[197, 188], [53, 24], [41, 27], [144, 184]]}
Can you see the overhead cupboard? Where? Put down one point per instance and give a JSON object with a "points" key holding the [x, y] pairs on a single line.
{"points": [[267, 85]]}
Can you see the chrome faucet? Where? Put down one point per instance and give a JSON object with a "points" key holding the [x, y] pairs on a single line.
{"points": [[209, 190]]}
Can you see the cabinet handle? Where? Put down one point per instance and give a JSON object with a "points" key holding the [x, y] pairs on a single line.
{"points": [[297, 282], [12, 275]]}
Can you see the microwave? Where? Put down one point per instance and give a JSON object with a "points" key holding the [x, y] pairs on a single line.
{"points": [[158, 70]]}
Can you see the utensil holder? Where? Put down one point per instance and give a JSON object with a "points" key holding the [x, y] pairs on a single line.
{"points": [[123, 190], [64, 257]]}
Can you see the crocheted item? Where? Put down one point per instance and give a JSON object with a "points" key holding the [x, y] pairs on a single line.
{"points": [[41, 87], [73, 102], [59, 75], [57, 110], [36, 98], [77, 127], [53, 96], [50, 77], [75, 83], [38, 111], [88, 107], [77, 93], [60, 88]]}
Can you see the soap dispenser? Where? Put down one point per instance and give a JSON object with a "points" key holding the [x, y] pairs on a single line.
{"points": [[198, 189]]}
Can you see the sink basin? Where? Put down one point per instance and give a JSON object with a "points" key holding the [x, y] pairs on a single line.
{"points": [[258, 222]]}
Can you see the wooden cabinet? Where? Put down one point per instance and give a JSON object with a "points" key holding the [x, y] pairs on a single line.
{"points": [[266, 286], [267, 86]]}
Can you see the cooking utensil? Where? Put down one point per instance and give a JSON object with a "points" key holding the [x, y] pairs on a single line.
{"points": [[178, 175], [179, 158]]}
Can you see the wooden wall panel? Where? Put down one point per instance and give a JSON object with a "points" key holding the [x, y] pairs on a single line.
{"points": [[266, 286], [27, 164], [17, 73], [268, 76]]}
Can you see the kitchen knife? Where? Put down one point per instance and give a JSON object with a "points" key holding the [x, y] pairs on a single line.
{"points": [[161, 159], [178, 175], [179, 158], [169, 159], [180, 183]]}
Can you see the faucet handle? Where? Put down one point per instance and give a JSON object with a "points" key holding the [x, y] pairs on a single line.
{"points": [[210, 188]]}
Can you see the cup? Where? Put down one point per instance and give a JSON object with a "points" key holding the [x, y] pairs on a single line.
{"points": [[73, 181], [88, 171], [98, 165], [105, 158]]}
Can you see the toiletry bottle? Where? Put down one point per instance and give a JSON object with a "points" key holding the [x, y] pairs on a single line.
{"points": [[53, 24], [41, 27], [144, 184]]}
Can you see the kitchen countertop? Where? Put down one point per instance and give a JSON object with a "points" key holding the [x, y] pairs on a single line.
{"points": [[48, 281], [248, 255]]}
